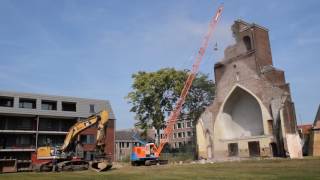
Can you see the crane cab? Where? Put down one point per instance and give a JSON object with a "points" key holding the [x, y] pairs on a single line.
{"points": [[144, 154]]}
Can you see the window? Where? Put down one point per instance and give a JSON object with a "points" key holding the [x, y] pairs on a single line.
{"points": [[254, 148], [128, 145], [179, 134], [233, 149], [23, 140], [89, 155], [183, 134], [91, 139], [247, 42], [69, 106], [179, 125], [188, 124], [24, 124], [175, 135], [48, 105], [92, 108], [87, 139], [6, 101], [27, 103], [189, 133], [83, 139]]}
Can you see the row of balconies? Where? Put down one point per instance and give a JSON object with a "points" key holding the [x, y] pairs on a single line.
{"points": [[28, 141], [30, 124], [183, 124], [29, 103], [181, 134]]}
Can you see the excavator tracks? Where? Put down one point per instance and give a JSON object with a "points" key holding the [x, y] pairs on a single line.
{"points": [[72, 166]]}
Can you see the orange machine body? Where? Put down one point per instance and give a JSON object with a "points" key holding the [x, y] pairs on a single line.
{"points": [[143, 153]]}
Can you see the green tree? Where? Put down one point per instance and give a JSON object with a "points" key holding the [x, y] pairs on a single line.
{"points": [[155, 93]]}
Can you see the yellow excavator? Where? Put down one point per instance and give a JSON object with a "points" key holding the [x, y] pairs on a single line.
{"points": [[70, 158]]}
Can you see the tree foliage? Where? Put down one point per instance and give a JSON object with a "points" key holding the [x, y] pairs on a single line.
{"points": [[155, 93]]}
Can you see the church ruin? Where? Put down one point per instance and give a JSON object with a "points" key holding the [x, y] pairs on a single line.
{"points": [[253, 114]]}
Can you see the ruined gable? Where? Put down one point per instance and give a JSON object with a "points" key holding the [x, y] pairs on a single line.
{"points": [[253, 112]]}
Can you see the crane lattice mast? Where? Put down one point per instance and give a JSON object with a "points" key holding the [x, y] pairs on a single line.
{"points": [[195, 68]]}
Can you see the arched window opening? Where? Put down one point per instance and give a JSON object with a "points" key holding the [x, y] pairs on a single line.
{"points": [[247, 42]]}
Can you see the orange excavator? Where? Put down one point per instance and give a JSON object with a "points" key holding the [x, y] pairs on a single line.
{"points": [[64, 158], [149, 154]]}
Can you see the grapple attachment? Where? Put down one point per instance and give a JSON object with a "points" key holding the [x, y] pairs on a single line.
{"points": [[102, 165]]}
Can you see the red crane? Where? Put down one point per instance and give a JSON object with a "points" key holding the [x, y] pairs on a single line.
{"points": [[149, 154], [195, 68]]}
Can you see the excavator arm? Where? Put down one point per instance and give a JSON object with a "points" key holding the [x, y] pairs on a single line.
{"points": [[100, 118], [101, 163]]}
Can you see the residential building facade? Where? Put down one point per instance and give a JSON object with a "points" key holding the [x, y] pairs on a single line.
{"points": [[183, 134], [28, 121]]}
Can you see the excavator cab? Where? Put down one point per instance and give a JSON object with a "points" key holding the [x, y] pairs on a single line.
{"points": [[150, 150]]}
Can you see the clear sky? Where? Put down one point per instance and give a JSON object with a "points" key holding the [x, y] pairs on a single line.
{"points": [[90, 48]]}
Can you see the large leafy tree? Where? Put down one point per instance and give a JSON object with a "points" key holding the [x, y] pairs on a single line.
{"points": [[155, 93]]}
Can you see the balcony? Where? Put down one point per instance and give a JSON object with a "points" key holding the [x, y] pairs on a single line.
{"points": [[18, 123], [53, 124], [6, 101], [48, 105], [27, 103]]}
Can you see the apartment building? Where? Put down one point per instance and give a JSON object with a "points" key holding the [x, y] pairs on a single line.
{"points": [[182, 133], [28, 121]]}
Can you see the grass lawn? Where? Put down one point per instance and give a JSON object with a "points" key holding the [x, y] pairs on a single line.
{"points": [[256, 169]]}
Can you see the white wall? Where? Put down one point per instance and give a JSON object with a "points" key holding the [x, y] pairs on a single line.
{"points": [[241, 116]]}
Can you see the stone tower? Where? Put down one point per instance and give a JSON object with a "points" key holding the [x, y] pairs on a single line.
{"points": [[253, 113]]}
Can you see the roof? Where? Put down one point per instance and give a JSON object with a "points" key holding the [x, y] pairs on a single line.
{"points": [[249, 25], [81, 109], [124, 135], [305, 128], [127, 135]]}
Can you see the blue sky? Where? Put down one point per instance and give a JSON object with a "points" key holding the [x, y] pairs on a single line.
{"points": [[91, 48]]}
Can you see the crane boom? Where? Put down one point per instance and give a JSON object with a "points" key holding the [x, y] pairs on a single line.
{"points": [[195, 68]]}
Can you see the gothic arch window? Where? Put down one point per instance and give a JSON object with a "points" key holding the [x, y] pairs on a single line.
{"points": [[247, 42], [241, 116]]}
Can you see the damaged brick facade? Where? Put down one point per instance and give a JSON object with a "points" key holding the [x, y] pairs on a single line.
{"points": [[253, 113]]}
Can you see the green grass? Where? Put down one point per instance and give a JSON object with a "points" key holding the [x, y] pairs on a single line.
{"points": [[308, 168]]}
